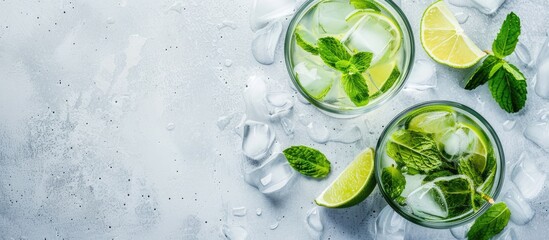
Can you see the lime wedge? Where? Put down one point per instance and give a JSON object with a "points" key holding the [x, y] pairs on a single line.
{"points": [[444, 40], [432, 122], [353, 185], [479, 148]]}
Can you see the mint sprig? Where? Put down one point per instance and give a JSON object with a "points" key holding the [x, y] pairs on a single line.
{"points": [[506, 82], [492, 222], [308, 161]]}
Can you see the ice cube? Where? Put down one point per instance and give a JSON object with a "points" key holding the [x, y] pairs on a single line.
{"points": [[234, 232], [389, 225], [287, 126], [265, 42], [255, 99], [507, 234], [370, 35], [279, 105], [528, 177], [423, 76], [239, 211], [461, 231], [265, 11], [462, 17], [329, 17], [523, 54], [349, 135], [318, 132], [315, 78], [423, 204], [521, 212], [458, 142], [314, 223], [539, 134], [272, 176], [257, 139], [542, 70], [485, 6]]}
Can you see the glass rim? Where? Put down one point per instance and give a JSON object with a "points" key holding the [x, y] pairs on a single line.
{"points": [[498, 179], [332, 110]]}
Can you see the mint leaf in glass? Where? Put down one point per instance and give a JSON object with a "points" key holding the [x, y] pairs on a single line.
{"points": [[364, 4], [393, 181], [356, 88], [436, 175], [414, 150], [507, 38], [308, 161], [362, 61], [507, 90], [305, 45], [466, 167], [458, 192], [490, 223], [332, 51]]}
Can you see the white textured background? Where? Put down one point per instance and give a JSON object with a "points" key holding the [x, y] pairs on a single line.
{"points": [[88, 88]]}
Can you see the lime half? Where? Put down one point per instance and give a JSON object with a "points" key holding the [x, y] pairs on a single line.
{"points": [[353, 185], [444, 40]]}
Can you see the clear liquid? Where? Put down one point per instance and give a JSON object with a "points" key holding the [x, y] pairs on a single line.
{"points": [[456, 139], [358, 33]]}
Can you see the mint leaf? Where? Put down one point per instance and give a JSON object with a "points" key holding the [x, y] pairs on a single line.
{"points": [[507, 38], [492, 222], [507, 90], [305, 45], [332, 51], [467, 168], [364, 4], [482, 74], [343, 65], [362, 61], [356, 88], [393, 181], [458, 193], [415, 150], [513, 70], [436, 175], [308, 161]]}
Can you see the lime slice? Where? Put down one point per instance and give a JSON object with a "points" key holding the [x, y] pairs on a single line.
{"points": [[478, 149], [353, 185], [355, 15], [432, 122], [375, 33], [444, 40]]}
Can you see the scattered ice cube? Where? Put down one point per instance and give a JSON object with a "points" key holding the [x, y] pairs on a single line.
{"points": [[272, 176], [239, 211], [423, 76], [257, 139], [423, 203], [507, 234], [461, 231], [274, 225], [389, 225], [330, 17], [228, 62], [521, 212], [349, 135], [523, 54], [170, 126], [542, 70], [265, 42], [279, 105], [462, 17], [288, 126], [318, 132], [528, 176], [539, 134], [265, 11], [369, 35], [255, 98], [314, 223], [234, 232], [508, 125], [485, 6], [258, 212]]}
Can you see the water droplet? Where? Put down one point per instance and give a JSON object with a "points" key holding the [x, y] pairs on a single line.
{"points": [[274, 225], [223, 122], [110, 20], [314, 223], [225, 23], [508, 125], [176, 7], [234, 232], [258, 212], [228, 62], [170, 126], [239, 211], [318, 133], [462, 17], [350, 135]]}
